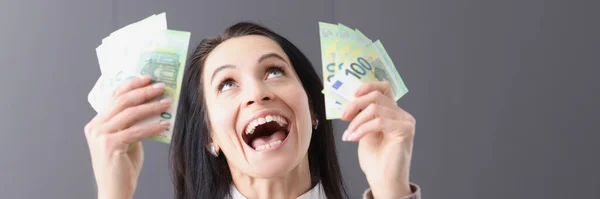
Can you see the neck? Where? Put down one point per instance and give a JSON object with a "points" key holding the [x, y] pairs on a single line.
{"points": [[289, 185]]}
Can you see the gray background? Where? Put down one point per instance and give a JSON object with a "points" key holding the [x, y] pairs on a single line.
{"points": [[505, 92]]}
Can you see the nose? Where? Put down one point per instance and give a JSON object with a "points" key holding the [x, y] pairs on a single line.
{"points": [[258, 94]]}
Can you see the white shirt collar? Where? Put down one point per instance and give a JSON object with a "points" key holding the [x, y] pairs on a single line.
{"points": [[316, 192]]}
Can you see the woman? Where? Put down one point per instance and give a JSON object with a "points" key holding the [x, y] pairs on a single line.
{"points": [[251, 124]]}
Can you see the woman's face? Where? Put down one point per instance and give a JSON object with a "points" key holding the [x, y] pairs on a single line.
{"points": [[258, 109]]}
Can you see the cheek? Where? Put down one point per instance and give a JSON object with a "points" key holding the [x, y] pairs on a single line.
{"points": [[221, 118], [298, 102]]}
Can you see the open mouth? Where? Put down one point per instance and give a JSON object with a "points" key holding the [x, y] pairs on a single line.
{"points": [[266, 132]]}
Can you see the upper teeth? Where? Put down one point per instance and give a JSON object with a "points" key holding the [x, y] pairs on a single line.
{"points": [[262, 120]]}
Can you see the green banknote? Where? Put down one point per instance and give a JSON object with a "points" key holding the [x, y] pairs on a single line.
{"points": [[328, 38], [353, 56], [390, 73], [349, 50], [118, 51], [346, 40], [364, 64], [163, 59], [147, 48], [361, 38], [371, 64]]}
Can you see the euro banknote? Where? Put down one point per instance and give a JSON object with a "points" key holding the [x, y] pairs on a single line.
{"points": [[145, 48], [357, 61], [328, 39]]}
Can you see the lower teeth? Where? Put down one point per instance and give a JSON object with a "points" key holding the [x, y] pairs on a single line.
{"points": [[268, 146]]}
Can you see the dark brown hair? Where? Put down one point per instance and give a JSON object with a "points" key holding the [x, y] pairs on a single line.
{"points": [[198, 174]]}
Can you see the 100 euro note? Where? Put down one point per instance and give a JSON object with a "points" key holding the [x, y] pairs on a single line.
{"points": [[161, 56], [328, 38], [350, 45], [346, 40], [390, 73], [371, 64], [114, 53]]}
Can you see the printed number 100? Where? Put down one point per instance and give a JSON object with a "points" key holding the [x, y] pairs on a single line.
{"points": [[359, 69]]}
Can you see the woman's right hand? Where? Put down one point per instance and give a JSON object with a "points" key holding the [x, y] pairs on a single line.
{"points": [[110, 133]]}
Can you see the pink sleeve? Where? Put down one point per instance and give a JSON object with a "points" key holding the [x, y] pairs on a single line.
{"points": [[416, 193]]}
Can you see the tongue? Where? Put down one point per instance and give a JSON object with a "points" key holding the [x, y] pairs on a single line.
{"points": [[262, 140]]}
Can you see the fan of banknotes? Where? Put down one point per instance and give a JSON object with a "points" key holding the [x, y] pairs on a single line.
{"points": [[350, 59], [148, 48], [143, 48]]}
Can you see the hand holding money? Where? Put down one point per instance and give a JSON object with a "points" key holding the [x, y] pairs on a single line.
{"points": [[136, 97], [110, 133], [349, 59], [361, 85], [143, 48]]}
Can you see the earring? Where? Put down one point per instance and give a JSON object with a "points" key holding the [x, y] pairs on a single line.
{"points": [[316, 124], [213, 150]]}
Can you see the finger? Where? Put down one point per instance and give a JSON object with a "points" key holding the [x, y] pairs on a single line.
{"points": [[372, 126], [121, 100], [93, 131], [131, 115], [360, 103], [405, 129], [371, 112], [381, 86], [140, 132], [91, 125], [132, 84], [381, 125], [133, 98]]}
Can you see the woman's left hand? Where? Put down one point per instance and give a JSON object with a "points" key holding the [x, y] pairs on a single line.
{"points": [[384, 133]]}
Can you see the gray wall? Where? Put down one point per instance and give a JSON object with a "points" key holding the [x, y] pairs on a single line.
{"points": [[504, 92]]}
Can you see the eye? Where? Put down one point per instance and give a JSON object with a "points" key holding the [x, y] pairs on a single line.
{"points": [[274, 71], [226, 85]]}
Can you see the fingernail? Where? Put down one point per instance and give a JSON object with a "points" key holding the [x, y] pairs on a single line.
{"points": [[159, 85], [165, 123], [146, 77], [344, 113], [358, 92], [345, 135], [351, 137], [165, 101]]}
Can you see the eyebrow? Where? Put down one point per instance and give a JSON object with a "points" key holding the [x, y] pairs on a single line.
{"points": [[220, 69], [270, 55], [261, 59]]}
